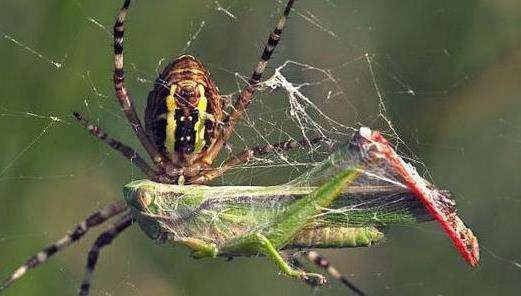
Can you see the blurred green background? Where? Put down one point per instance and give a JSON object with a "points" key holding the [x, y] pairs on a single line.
{"points": [[449, 72]]}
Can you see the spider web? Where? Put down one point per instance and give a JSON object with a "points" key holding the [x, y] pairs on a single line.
{"points": [[338, 68]]}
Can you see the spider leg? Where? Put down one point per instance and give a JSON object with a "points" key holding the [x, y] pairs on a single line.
{"points": [[322, 262], [122, 94], [81, 229], [102, 241], [128, 152], [246, 96], [246, 155]]}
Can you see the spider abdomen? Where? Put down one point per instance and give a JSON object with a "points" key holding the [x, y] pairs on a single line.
{"points": [[182, 109]]}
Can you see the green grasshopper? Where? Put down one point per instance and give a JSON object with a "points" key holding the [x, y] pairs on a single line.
{"points": [[229, 221], [234, 221], [347, 200]]}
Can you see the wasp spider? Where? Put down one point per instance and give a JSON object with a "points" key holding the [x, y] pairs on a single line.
{"points": [[186, 127]]}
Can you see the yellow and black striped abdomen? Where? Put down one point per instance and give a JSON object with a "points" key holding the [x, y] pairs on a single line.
{"points": [[182, 108], [185, 125]]}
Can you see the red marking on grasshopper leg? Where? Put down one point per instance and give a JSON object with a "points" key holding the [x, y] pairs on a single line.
{"points": [[462, 237]]}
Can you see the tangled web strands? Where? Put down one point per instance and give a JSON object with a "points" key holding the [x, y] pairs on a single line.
{"points": [[382, 195]]}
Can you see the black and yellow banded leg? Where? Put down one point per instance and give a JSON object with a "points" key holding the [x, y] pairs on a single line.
{"points": [[245, 156], [273, 41], [79, 231], [102, 241], [128, 152], [267, 247], [246, 96], [122, 94], [322, 262]]}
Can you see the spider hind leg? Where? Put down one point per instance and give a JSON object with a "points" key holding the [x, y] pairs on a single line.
{"points": [[79, 231], [323, 263], [245, 156], [102, 241]]}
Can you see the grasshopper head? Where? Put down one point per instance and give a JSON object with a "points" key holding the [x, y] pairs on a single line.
{"points": [[140, 197]]}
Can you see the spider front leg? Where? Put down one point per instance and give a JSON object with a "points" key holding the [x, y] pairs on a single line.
{"points": [[102, 241], [122, 94], [246, 96], [245, 156], [81, 229], [128, 152]]}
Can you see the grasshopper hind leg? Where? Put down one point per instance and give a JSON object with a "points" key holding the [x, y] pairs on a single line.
{"points": [[267, 247], [297, 264]]}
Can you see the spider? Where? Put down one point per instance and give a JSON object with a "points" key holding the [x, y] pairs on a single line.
{"points": [[186, 127]]}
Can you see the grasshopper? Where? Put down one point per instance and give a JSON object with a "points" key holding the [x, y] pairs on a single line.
{"points": [[348, 200], [351, 208]]}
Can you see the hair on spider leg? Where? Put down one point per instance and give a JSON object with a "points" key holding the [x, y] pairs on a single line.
{"points": [[227, 101], [229, 149]]}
